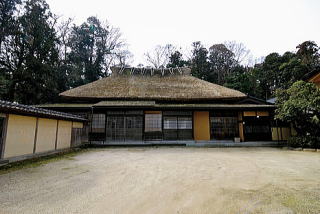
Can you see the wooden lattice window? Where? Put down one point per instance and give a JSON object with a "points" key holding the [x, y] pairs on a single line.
{"points": [[224, 127], [184, 123], [125, 127], [177, 127], [153, 123], [170, 123], [98, 123]]}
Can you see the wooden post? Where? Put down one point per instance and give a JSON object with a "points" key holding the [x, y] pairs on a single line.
{"points": [[241, 132], [35, 136], [56, 143], [4, 136]]}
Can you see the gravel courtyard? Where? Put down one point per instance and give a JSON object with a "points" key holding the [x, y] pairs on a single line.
{"points": [[168, 180]]}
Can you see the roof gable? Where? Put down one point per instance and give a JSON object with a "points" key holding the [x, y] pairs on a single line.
{"points": [[315, 78]]}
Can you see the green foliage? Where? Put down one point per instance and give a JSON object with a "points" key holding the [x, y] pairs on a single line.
{"points": [[176, 60], [279, 72], [3, 85], [88, 50], [38, 59], [268, 74], [200, 66], [291, 71], [300, 106], [308, 53], [29, 55], [218, 64], [7, 9], [304, 141], [213, 65], [91, 44], [221, 63], [243, 79]]}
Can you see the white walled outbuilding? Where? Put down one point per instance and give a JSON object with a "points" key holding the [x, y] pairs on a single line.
{"points": [[32, 132]]}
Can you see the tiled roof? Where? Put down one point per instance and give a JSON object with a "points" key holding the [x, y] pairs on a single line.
{"points": [[9, 107]]}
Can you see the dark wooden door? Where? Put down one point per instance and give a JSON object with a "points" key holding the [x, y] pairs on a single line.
{"points": [[115, 130], [133, 128], [257, 129], [153, 126], [224, 128]]}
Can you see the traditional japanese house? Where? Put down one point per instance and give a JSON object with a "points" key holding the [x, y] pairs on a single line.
{"points": [[139, 105]]}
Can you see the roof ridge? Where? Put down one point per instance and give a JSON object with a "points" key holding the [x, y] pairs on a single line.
{"points": [[146, 71]]}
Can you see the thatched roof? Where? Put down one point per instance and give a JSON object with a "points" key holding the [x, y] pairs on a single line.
{"points": [[125, 103], [214, 106], [149, 84], [154, 105]]}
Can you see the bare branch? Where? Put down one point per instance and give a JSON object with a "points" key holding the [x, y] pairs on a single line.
{"points": [[159, 57], [241, 53], [64, 30]]}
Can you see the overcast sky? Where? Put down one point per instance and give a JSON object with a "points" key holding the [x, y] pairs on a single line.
{"points": [[264, 26]]}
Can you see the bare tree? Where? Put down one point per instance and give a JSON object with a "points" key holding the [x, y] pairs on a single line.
{"points": [[241, 53], [64, 30], [123, 57], [187, 53], [159, 57], [118, 48]]}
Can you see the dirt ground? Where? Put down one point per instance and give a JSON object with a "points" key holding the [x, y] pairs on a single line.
{"points": [[168, 180]]}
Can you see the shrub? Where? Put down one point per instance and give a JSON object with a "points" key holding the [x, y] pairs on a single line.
{"points": [[300, 106], [304, 142]]}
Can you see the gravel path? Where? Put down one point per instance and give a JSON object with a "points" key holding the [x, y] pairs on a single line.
{"points": [[168, 180]]}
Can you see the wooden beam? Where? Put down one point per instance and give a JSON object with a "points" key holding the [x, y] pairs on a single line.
{"points": [[35, 136], [57, 130]]}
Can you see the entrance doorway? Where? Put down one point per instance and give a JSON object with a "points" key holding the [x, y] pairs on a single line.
{"points": [[224, 125], [177, 125], [124, 126], [153, 125], [257, 129]]}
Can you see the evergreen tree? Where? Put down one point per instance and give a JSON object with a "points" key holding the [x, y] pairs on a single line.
{"points": [[200, 65], [308, 53], [221, 63], [29, 58], [243, 79], [7, 9], [94, 46], [300, 106], [176, 60]]}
